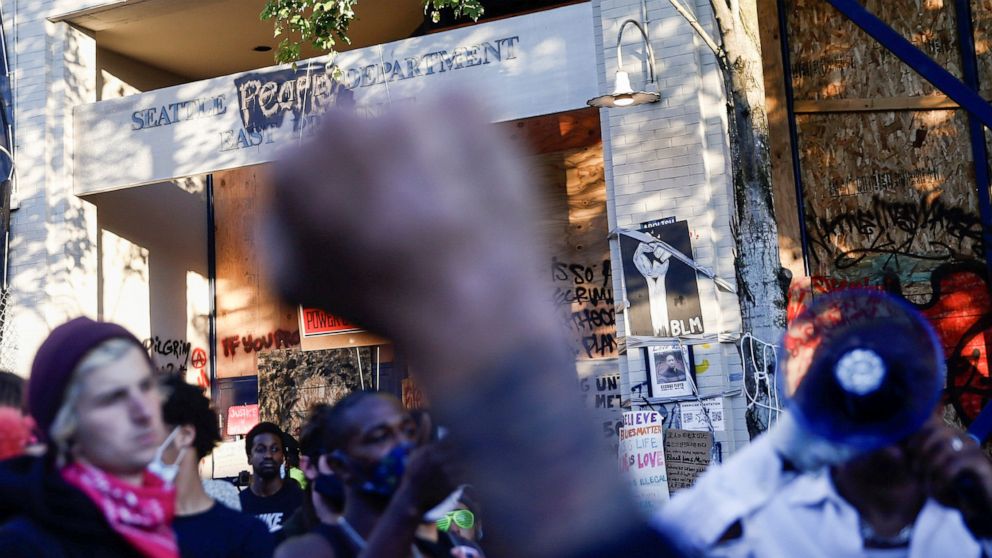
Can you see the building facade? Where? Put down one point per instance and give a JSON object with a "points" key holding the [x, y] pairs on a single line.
{"points": [[137, 165]]}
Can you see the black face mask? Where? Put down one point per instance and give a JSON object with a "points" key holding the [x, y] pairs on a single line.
{"points": [[331, 489]]}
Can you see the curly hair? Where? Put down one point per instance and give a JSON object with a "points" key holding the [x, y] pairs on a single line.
{"points": [[312, 432], [337, 427], [187, 405], [263, 428]]}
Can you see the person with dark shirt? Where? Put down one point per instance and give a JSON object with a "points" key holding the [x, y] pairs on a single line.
{"points": [[369, 440], [269, 497], [94, 398], [204, 527], [323, 494]]}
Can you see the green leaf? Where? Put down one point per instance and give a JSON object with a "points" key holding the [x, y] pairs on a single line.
{"points": [[323, 23]]}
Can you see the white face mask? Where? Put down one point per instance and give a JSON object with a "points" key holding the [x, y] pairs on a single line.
{"points": [[165, 471]]}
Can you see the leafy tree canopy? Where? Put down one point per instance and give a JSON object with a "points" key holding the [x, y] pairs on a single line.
{"points": [[324, 23]]}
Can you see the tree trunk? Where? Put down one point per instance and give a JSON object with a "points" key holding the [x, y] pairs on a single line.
{"points": [[762, 282]]}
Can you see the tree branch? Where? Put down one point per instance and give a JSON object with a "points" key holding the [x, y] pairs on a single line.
{"points": [[721, 56]]}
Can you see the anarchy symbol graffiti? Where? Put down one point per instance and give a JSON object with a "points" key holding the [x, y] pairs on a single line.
{"points": [[199, 358]]}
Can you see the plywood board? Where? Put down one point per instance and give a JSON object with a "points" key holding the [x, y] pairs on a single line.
{"points": [[250, 318], [831, 58], [567, 163], [981, 17], [888, 193], [575, 229], [780, 141]]}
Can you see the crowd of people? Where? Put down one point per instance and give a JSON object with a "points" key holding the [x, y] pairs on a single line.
{"points": [[440, 227], [119, 472]]}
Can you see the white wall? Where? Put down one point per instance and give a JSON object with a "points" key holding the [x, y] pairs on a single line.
{"points": [[55, 268], [671, 159], [53, 265], [153, 256]]}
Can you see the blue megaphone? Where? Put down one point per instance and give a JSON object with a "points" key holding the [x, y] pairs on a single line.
{"points": [[860, 369]]}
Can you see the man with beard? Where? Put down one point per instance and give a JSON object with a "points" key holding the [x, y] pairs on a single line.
{"points": [[369, 442], [671, 372], [269, 497]]}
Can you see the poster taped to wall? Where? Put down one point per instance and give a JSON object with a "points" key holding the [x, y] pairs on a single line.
{"points": [[241, 419], [601, 387], [641, 457], [687, 455], [694, 416], [670, 368], [315, 322], [661, 289]]}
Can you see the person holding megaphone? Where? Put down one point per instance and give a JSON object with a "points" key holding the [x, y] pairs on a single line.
{"points": [[860, 464]]}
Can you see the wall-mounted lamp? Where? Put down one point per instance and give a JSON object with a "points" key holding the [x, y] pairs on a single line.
{"points": [[623, 94]]}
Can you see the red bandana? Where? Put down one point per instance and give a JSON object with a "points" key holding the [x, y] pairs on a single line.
{"points": [[140, 514]]}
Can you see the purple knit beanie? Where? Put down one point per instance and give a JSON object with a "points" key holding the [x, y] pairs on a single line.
{"points": [[56, 360]]}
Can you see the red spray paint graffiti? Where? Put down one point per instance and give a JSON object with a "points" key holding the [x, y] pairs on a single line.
{"points": [[960, 310]]}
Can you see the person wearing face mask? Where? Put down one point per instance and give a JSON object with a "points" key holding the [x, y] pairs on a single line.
{"points": [[269, 497], [323, 499], [96, 403], [369, 442], [204, 527]]}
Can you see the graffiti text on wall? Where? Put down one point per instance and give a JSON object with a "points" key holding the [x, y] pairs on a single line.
{"points": [[278, 339], [266, 97], [584, 297], [899, 229], [169, 355]]}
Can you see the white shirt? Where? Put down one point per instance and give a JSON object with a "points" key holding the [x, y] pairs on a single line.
{"points": [[787, 515]]}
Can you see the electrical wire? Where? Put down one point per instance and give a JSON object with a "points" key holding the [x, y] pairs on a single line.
{"points": [[763, 372]]}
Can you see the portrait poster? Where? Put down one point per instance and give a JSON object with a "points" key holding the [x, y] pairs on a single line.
{"points": [[660, 288], [670, 371]]}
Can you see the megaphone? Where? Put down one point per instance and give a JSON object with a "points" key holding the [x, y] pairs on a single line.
{"points": [[860, 370]]}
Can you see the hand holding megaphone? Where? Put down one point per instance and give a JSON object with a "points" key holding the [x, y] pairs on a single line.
{"points": [[958, 474]]}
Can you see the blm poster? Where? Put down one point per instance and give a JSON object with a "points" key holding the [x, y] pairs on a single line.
{"points": [[661, 289]]}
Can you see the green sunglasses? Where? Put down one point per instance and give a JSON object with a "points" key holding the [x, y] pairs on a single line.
{"points": [[462, 518]]}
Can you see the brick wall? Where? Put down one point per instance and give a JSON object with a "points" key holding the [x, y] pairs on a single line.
{"points": [[671, 159], [52, 243]]}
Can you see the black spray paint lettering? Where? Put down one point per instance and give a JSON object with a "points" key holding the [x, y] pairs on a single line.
{"points": [[589, 319], [176, 348], [603, 383], [583, 295], [601, 344], [580, 274], [891, 228], [265, 98]]}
